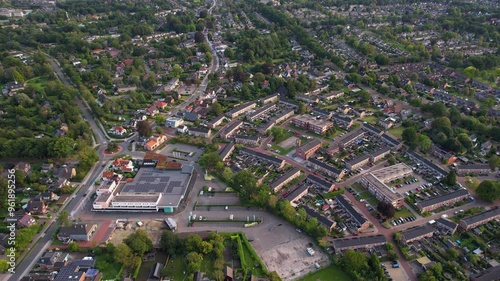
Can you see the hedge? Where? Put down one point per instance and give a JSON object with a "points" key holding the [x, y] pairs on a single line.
{"points": [[119, 275], [137, 269]]}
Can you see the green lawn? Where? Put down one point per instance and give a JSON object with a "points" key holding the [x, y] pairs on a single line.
{"points": [[397, 132], [370, 119], [365, 194], [252, 263], [331, 273], [176, 266], [403, 213], [38, 82], [282, 151], [108, 269]]}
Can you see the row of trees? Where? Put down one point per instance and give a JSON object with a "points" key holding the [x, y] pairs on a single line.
{"points": [[360, 267]]}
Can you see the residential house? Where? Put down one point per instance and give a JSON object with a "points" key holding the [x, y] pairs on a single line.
{"points": [[353, 216], [80, 270], [479, 219], [326, 222], [417, 233], [320, 183], [160, 104], [327, 169], [271, 160], [152, 111], [191, 116], [248, 140], [182, 129], [51, 260], [66, 173], [296, 194], [77, 232], [13, 87], [22, 166], [174, 122], [473, 169], [49, 196], [154, 142], [490, 274], [363, 242], [226, 151], [36, 208], [285, 179], [446, 156], [231, 129], [358, 162], [446, 226], [200, 132], [121, 164], [235, 112], [46, 167], [26, 221], [216, 122], [119, 130], [443, 200]]}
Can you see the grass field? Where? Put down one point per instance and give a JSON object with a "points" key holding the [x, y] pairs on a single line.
{"points": [[403, 213], [331, 273], [38, 82], [365, 194], [370, 119], [282, 151], [176, 267], [397, 132]]}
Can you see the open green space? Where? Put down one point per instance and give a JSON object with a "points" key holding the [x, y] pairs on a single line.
{"points": [[176, 267], [403, 213], [282, 151], [397, 132], [370, 119], [330, 273], [365, 194], [38, 83]]}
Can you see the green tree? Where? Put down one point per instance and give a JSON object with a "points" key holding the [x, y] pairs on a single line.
{"points": [[471, 71], [73, 247], [410, 137], [494, 161], [63, 218], [169, 242], [489, 190], [194, 261], [176, 71], [354, 262], [123, 255], [210, 161], [160, 119], [386, 209], [451, 178], [216, 108], [192, 243], [205, 247], [62, 147], [139, 242], [302, 108], [144, 129], [424, 142]]}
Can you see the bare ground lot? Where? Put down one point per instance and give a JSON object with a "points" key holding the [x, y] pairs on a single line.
{"points": [[289, 142], [153, 228], [290, 259]]}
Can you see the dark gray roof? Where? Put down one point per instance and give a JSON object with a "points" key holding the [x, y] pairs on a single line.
{"points": [[390, 140], [381, 151], [474, 167], [200, 130], [227, 149], [245, 137], [481, 216], [294, 193], [358, 159], [446, 223], [261, 155], [319, 181], [321, 219], [427, 162], [238, 108], [283, 178], [413, 233], [307, 146], [358, 242], [325, 166], [372, 129], [490, 274], [445, 197], [76, 229], [348, 207]]}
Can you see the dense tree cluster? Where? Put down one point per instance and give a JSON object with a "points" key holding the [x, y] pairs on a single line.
{"points": [[489, 190], [360, 267]]}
